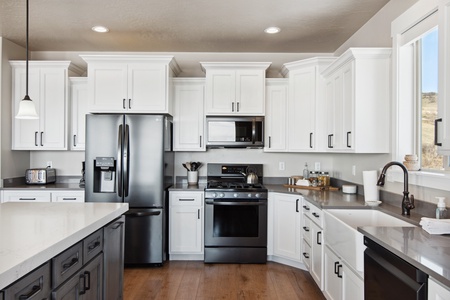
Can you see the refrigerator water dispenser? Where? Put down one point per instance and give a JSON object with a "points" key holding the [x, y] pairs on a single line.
{"points": [[104, 175]]}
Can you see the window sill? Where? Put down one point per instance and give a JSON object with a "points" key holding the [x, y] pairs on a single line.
{"points": [[427, 179]]}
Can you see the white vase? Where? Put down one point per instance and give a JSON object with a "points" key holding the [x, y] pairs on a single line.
{"points": [[192, 177]]}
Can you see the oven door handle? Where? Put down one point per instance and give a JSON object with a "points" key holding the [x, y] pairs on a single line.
{"points": [[247, 203]]}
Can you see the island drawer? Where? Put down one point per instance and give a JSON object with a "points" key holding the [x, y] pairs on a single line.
{"points": [[92, 245], [67, 263], [36, 285]]}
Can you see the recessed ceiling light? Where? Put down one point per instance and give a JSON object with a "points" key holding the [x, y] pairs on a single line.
{"points": [[101, 29], [272, 30]]}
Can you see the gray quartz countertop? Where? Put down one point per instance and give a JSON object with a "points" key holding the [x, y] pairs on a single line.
{"points": [[427, 252], [50, 186]]}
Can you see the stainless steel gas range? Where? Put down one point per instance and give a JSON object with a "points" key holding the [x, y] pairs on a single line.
{"points": [[235, 214]]}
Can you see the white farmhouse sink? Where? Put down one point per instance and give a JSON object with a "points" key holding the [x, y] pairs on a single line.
{"points": [[342, 236]]}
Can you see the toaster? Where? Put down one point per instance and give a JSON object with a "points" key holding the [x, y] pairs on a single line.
{"points": [[40, 176]]}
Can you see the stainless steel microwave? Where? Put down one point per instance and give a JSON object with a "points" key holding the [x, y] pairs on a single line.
{"points": [[235, 132]]}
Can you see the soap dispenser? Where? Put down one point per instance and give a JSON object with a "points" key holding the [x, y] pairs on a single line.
{"points": [[306, 172], [441, 210]]}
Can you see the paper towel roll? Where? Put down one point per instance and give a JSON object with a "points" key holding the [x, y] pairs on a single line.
{"points": [[370, 185]]}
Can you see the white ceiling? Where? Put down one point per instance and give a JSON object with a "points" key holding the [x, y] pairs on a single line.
{"points": [[307, 26]]}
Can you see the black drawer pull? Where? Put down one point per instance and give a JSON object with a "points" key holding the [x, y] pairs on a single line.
{"points": [[71, 199], [186, 199], [338, 273], [70, 264], [316, 215], [87, 280], [117, 225], [306, 255], [306, 207], [34, 291], [305, 228], [29, 199], [93, 246]]}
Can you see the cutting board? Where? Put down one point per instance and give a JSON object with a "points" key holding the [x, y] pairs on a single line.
{"points": [[315, 188]]}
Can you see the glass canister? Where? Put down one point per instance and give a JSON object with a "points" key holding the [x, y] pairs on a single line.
{"points": [[325, 178], [313, 178]]}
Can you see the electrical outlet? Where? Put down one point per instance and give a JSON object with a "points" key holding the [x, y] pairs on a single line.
{"points": [[317, 166], [354, 170], [49, 164], [281, 166]]}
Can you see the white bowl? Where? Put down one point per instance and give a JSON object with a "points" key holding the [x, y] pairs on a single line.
{"points": [[373, 203], [349, 189]]}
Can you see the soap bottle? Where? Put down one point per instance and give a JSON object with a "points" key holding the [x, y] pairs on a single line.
{"points": [[441, 210], [306, 172]]}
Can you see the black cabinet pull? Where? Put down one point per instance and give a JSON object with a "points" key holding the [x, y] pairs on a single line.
{"points": [[306, 207], [310, 140], [296, 205], [92, 246], [305, 228], [27, 199], [123, 103], [338, 271], [87, 280], [336, 263], [34, 291], [82, 281], [436, 132], [270, 142], [186, 199], [42, 143], [74, 140], [237, 106], [348, 133], [200, 141], [117, 225], [306, 255], [232, 106], [129, 103], [198, 214], [316, 215], [70, 264], [35, 138], [329, 140], [318, 238]]}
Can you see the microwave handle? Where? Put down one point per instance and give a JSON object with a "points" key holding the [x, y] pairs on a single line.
{"points": [[253, 131]]}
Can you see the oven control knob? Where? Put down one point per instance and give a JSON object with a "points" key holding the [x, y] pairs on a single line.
{"points": [[249, 195], [257, 196], [214, 195], [235, 195], [221, 195]]}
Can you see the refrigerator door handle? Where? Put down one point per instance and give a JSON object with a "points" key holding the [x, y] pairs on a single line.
{"points": [[126, 158], [143, 213], [119, 162]]}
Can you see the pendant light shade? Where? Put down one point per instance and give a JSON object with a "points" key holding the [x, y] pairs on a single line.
{"points": [[27, 109]]}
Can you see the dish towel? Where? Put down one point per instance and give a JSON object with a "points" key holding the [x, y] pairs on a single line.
{"points": [[435, 226]]}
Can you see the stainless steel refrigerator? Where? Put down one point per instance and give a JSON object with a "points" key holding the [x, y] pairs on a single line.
{"points": [[129, 159]]}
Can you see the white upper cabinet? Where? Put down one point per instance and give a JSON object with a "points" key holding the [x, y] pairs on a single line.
{"points": [[79, 109], [443, 121], [235, 88], [48, 88], [357, 93], [189, 118], [276, 111], [130, 83], [305, 92]]}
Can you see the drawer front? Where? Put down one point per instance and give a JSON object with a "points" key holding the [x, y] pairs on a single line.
{"points": [[67, 263], [306, 207], [68, 197], [317, 216], [26, 196], [92, 245], [306, 254], [35, 285], [186, 198], [306, 229]]}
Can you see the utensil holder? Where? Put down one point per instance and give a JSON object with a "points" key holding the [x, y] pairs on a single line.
{"points": [[192, 177]]}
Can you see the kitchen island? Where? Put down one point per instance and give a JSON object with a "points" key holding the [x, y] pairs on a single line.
{"points": [[33, 233]]}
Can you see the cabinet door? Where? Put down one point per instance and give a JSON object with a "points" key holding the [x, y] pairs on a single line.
{"points": [[185, 229], [25, 132], [302, 110], [443, 123], [317, 254], [26, 196], [348, 108], [220, 92], [436, 291], [68, 196], [107, 87], [189, 118], [332, 287], [147, 88], [250, 90], [286, 230], [352, 285], [79, 107], [113, 249], [275, 119], [334, 109]]}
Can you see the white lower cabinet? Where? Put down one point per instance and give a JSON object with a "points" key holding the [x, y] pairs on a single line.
{"points": [[68, 196], [436, 291], [286, 225], [186, 225], [340, 282]]}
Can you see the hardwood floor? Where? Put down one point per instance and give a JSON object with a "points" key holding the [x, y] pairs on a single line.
{"points": [[196, 280]]}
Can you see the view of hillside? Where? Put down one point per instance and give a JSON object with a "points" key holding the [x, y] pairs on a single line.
{"points": [[430, 157]]}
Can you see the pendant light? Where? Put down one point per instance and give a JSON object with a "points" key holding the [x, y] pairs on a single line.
{"points": [[27, 109]]}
